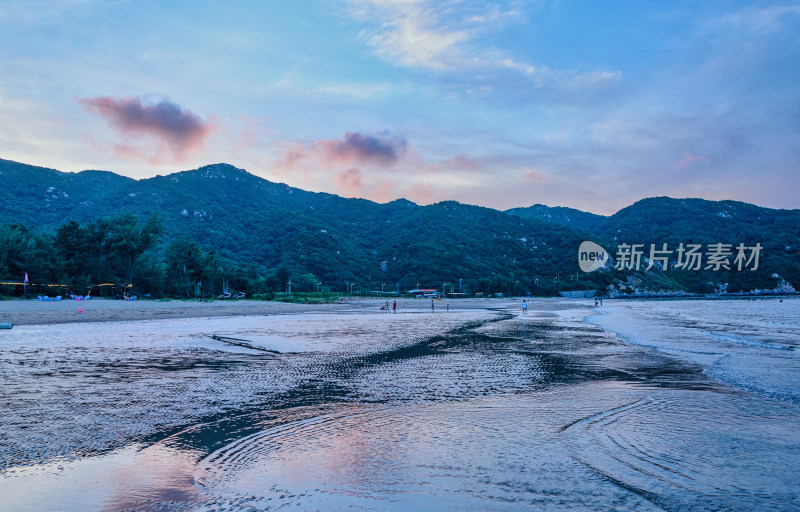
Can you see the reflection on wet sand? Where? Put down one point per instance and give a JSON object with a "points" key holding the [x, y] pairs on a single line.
{"points": [[487, 410], [133, 478]]}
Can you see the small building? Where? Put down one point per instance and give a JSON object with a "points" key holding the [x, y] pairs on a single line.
{"points": [[431, 293]]}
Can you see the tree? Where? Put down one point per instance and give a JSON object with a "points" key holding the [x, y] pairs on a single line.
{"points": [[282, 276], [23, 251], [185, 264], [124, 241], [73, 248]]}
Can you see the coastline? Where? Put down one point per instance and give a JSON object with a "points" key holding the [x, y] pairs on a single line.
{"points": [[32, 312]]}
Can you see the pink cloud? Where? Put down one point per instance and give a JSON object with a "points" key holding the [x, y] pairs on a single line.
{"points": [[375, 148], [128, 152], [463, 162], [383, 192], [381, 148], [176, 129], [350, 180], [424, 194], [690, 158], [253, 134], [536, 176], [294, 154], [458, 163]]}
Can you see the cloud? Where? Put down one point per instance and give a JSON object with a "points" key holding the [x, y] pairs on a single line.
{"points": [[460, 162], [691, 158], [746, 36], [445, 37], [408, 37], [536, 176], [459, 168], [383, 148], [376, 148], [350, 180], [756, 20], [428, 35], [424, 193], [173, 127]]}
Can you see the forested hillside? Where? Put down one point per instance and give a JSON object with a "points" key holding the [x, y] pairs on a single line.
{"points": [[663, 220], [252, 228], [220, 227]]}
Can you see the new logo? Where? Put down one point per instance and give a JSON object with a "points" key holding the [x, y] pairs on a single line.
{"points": [[591, 256]]}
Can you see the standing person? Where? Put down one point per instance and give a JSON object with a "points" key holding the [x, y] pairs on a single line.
{"points": [[524, 307], [394, 307], [595, 302], [448, 307], [601, 301], [387, 306], [431, 305]]}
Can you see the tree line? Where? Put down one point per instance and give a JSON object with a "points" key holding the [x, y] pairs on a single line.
{"points": [[123, 250]]}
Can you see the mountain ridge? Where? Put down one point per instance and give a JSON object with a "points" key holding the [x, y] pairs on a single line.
{"points": [[246, 219], [216, 170]]}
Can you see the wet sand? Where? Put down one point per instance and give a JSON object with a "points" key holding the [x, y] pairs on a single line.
{"points": [[32, 312], [479, 408]]}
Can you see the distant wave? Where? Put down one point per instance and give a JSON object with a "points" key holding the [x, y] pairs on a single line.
{"points": [[748, 383], [739, 340]]}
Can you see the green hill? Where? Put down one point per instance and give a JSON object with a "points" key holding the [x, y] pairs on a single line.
{"points": [[561, 215], [254, 232], [248, 220], [660, 220]]}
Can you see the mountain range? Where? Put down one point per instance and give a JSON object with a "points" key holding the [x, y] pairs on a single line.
{"points": [[247, 220]]}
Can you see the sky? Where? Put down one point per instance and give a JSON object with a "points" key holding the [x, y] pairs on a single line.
{"points": [[587, 104]]}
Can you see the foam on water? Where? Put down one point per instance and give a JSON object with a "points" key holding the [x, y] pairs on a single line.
{"points": [[747, 343], [730, 338]]}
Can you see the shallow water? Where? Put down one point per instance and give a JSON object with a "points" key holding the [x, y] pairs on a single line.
{"points": [[476, 410], [750, 344]]}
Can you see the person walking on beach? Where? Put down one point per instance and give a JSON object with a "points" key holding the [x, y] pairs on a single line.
{"points": [[524, 307], [431, 305], [394, 307]]}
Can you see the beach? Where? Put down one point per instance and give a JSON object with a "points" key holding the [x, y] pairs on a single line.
{"points": [[638, 405], [33, 312]]}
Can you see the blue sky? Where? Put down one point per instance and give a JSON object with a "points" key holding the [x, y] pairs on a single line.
{"points": [[592, 105]]}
